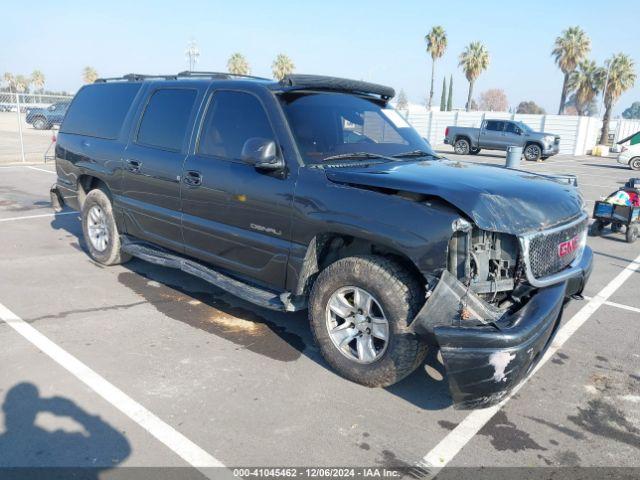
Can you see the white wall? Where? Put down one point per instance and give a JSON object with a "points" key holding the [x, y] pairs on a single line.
{"points": [[577, 134]]}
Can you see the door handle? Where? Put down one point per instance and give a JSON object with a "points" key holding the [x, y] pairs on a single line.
{"points": [[133, 165], [192, 178]]}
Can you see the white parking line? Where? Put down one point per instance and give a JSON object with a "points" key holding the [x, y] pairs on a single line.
{"points": [[455, 440], [27, 217], [181, 445], [40, 169], [620, 305]]}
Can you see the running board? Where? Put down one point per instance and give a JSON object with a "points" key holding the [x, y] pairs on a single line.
{"points": [[264, 298]]}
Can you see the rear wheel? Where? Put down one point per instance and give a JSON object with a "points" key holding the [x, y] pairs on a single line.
{"points": [[633, 232], [100, 231], [595, 230], [359, 310], [461, 146], [532, 152], [635, 163]]}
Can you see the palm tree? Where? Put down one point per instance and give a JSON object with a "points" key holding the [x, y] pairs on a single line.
{"points": [[238, 65], [89, 75], [622, 77], [569, 50], [10, 79], [282, 66], [37, 79], [436, 45], [586, 82], [474, 60], [22, 83]]}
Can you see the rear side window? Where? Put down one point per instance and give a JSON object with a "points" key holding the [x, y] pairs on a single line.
{"points": [[231, 120], [99, 110], [166, 118], [494, 125]]}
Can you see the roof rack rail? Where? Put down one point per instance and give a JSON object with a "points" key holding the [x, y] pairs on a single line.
{"points": [[134, 77], [226, 75]]}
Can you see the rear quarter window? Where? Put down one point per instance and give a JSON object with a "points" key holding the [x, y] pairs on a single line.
{"points": [[99, 110]]}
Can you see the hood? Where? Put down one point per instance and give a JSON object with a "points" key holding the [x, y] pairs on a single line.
{"points": [[495, 198]]}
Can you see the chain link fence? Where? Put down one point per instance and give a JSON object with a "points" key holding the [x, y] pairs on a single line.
{"points": [[29, 124]]}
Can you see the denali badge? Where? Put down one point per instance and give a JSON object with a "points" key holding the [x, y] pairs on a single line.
{"points": [[565, 248]]}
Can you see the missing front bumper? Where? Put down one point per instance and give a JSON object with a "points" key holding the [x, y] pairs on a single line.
{"points": [[485, 361]]}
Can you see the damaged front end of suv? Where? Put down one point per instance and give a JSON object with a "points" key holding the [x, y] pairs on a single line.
{"points": [[495, 309]]}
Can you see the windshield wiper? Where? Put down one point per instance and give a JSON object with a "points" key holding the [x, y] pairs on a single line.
{"points": [[356, 156], [415, 153]]}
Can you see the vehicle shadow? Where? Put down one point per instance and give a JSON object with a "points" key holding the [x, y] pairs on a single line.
{"points": [[84, 453], [277, 335]]}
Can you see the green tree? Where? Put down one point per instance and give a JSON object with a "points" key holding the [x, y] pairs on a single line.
{"points": [[443, 97], [22, 83], [622, 77], [474, 60], [89, 75], [436, 45], [282, 66], [569, 50], [530, 107], [633, 112], [586, 82], [238, 65], [402, 103], [450, 99]]}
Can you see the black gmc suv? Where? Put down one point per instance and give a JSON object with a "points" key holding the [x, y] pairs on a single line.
{"points": [[313, 193]]}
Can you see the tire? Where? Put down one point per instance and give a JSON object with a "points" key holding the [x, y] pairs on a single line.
{"points": [[40, 124], [399, 296], [461, 146], [616, 227], [633, 232], [595, 230], [634, 163], [100, 231], [532, 152], [474, 151]]}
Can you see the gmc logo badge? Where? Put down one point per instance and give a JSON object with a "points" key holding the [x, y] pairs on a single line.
{"points": [[565, 248]]}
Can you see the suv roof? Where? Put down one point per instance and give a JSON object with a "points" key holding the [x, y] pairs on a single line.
{"points": [[292, 82]]}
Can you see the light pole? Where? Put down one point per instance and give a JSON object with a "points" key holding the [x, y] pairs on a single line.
{"points": [[192, 53]]}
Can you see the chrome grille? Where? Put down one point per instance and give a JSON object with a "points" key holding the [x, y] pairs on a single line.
{"points": [[542, 249]]}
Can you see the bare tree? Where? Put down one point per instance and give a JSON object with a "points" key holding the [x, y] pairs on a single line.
{"points": [[494, 100]]}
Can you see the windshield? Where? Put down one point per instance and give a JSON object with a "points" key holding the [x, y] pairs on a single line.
{"points": [[523, 127], [329, 124]]}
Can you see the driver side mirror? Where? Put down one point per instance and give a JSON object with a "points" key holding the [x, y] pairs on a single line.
{"points": [[262, 153]]}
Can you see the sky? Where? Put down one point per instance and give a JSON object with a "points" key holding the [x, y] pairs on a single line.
{"points": [[372, 40]]}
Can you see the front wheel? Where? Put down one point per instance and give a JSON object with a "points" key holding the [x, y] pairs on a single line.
{"points": [[532, 152], [635, 163], [360, 308], [633, 232], [100, 230], [40, 123], [595, 230], [461, 146]]}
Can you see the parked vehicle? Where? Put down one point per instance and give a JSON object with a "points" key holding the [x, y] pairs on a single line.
{"points": [[630, 155], [501, 134], [46, 118], [314, 193]]}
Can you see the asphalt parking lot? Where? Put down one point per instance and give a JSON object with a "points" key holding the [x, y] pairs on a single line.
{"points": [[36, 142], [138, 365]]}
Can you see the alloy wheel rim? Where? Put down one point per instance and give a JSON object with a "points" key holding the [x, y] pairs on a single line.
{"points": [[98, 228], [357, 325], [531, 152]]}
